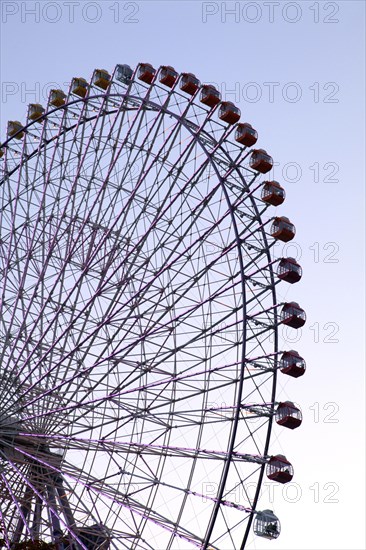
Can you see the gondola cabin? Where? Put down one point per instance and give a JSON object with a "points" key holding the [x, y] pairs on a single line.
{"points": [[261, 161], [229, 112], [168, 76], [14, 129], [101, 79], [246, 134], [282, 229], [292, 364], [146, 72], [189, 83], [124, 73], [279, 469], [79, 87], [292, 315], [267, 525], [288, 415], [210, 95], [289, 270], [57, 98], [35, 111], [273, 193]]}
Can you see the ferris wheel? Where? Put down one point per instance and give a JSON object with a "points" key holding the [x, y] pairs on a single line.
{"points": [[139, 319]]}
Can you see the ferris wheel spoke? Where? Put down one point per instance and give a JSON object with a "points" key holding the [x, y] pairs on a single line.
{"points": [[116, 394], [92, 404], [142, 449]]}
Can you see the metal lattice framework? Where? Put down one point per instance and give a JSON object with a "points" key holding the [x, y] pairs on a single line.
{"points": [[138, 325]]}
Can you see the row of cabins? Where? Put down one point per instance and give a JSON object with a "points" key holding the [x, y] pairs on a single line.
{"points": [[245, 134]]}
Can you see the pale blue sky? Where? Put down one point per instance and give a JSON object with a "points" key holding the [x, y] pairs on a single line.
{"points": [[321, 135]]}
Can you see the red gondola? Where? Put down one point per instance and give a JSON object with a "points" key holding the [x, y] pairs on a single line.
{"points": [[261, 161], [279, 469], [292, 363], [292, 315], [189, 83], [289, 270], [273, 193], [245, 134], [229, 112], [210, 95], [288, 415], [168, 76], [282, 229], [146, 72]]}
